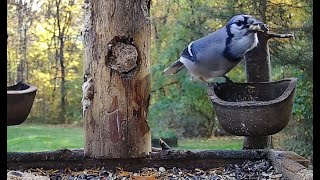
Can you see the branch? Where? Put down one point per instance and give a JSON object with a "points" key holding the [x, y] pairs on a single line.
{"points": [[274, 35], [162, 87], [302, 28], [164, 146], [201, 113]]}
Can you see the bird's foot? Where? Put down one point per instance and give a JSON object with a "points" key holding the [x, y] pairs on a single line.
{"points": [[228, 80], [209, 83], [203, 80], [215, 85]]}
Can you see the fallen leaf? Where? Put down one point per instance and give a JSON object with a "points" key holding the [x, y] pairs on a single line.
{"points": [[152, 177]]}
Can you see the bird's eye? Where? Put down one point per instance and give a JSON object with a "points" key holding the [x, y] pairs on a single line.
{"points": [[239, 23]]}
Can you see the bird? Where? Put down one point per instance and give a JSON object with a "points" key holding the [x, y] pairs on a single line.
{"points": [[88, 92], [217, 53]]}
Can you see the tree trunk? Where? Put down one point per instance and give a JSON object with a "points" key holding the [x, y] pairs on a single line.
{"points": [[22, 39], [61, 35], [117, 50], [263, 10], [63, 85], [24, 54]]}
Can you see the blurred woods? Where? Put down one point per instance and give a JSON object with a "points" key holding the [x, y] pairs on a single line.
{"points": [[45, 49]]}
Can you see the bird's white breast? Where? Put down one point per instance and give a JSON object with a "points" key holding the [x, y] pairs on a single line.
{"points": [[239, 46], [207, 70]]}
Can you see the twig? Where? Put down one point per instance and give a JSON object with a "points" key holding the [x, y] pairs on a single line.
{"points": [[168, 84], [164, 145], [274, 35], [155, 149]]}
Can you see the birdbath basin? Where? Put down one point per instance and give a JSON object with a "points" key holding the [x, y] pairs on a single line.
{"points": [[253, 109], [20, 98]]}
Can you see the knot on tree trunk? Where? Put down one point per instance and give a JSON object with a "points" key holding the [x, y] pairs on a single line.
{"points": [[123, 57]]}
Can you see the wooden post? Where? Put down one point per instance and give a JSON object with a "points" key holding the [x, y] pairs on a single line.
{"points": [[258, 69], [117, 36]]}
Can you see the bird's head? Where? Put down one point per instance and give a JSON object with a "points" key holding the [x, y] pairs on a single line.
{"points": [[242, 35], [245, 24]]}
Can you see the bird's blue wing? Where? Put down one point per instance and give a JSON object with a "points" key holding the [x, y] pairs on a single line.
{"points": [[190, 53]]}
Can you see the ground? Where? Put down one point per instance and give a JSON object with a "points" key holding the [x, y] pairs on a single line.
{"points": [[30, 138]]}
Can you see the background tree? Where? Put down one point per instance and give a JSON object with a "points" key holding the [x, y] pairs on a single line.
{"points": [[25, 17], [55, 51]]}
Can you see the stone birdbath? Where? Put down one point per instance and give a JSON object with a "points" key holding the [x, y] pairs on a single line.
{"points": [[254, 109], [260, 107], [20, 99]]}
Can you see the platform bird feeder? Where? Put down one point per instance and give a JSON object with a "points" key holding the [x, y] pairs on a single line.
{"points": [[275, 97]]}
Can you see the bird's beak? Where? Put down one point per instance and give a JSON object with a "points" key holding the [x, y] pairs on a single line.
{"points": [[256, 26]]}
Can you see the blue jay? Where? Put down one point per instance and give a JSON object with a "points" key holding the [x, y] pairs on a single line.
{"points": [[217, 53]]}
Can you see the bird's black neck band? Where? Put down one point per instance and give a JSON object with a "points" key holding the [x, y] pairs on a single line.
{"points": [[227, 54], [186, 54]]}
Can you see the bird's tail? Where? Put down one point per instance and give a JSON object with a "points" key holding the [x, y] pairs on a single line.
{"points": [[174, 68]]}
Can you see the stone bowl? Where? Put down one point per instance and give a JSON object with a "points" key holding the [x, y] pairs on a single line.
{"points": [[253, 109], [20, 99]]}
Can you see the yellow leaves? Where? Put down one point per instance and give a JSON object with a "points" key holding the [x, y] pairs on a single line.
{"points": [[40, 28], [152, 177], [280, 1], [74, 63], [41, 80], [122, 172], [42, 31], [47, 26], [43, 45], [72, 8], [71, 75], [42, 76]]}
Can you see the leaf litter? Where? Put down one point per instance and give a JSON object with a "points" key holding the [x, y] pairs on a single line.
{"points": [[248, 170]]}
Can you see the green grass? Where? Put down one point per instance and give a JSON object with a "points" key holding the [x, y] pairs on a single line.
{"points": [[220, 143], [31, 138]]}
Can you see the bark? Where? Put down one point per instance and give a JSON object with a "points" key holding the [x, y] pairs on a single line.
{"points": [[117, 50], [9, 74], [61, 39], [22, 39], [25, 18], [56, 69], [63, 81], [24, 54]]}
